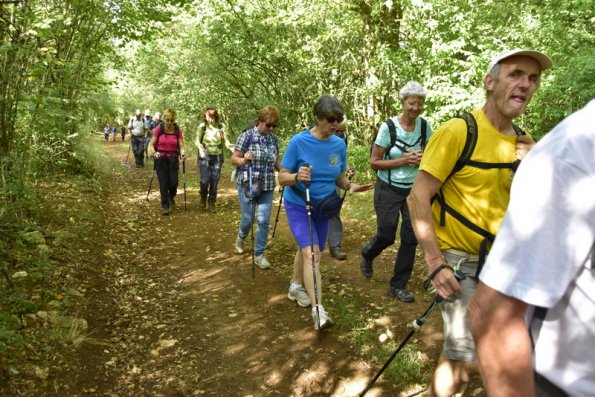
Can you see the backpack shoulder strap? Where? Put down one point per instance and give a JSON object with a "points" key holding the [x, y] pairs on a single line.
{"points": [[392, 131], [424, 133], [203, 128], [470, 141]]}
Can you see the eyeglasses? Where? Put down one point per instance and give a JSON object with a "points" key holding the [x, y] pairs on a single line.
{"points": [[271, 125], [335, 119], [169, 120]]}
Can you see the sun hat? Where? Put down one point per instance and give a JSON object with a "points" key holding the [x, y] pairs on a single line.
{"points": [[544, 61]]}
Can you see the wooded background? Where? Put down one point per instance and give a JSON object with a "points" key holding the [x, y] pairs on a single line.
{"points": [[69, 67]]}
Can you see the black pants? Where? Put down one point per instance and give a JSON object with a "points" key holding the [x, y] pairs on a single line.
{"points": [[138, 148], [167, 172], [389, 202]]}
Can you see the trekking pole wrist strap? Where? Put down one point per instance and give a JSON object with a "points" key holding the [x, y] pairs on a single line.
{"points": [[435, 272]]}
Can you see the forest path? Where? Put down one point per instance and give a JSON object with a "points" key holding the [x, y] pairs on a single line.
{"points": [[175, 312]]}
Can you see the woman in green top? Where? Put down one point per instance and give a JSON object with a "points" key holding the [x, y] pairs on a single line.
{"points": [[211, 141]]}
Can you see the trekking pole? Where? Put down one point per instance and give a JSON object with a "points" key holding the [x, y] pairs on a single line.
{"points": [[417, 323], [151, 182], [129, 147], [184, 175], [278, 211], [252, 209], [315, 283]]}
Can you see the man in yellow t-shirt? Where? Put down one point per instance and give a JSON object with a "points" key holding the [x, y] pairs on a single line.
{"points": [[452, 230]]}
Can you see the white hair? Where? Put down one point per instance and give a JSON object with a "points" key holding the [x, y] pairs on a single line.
{"points": [[412, 88]]}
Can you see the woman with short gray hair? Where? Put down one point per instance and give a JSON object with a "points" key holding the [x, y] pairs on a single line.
{"points": [[315, 160], [395, 156]]}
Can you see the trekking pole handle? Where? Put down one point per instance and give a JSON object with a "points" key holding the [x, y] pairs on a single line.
{"points": [[307, 183]]}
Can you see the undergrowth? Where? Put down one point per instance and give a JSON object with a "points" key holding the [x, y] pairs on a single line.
{"points": [[33, 244]]}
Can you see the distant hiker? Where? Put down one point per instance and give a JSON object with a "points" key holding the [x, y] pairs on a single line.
{"points": [[148, 121], [106, 133], [137, 131], [167, 143], [395, 156], [211, 142], [326, 156], [114, 131], [335, 225], [456, 210], [256, 154], [123, 131], [155, 121]]}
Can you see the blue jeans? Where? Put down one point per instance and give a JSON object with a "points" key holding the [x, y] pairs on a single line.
{"points": [[263, 204], [210, 172]]}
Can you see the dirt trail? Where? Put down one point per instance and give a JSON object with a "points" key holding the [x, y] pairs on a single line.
{"points": [[174, 312]]}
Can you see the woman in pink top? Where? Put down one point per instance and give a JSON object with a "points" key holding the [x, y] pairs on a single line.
{"points": [[168, 144]]}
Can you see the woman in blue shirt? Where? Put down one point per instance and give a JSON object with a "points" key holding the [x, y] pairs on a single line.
{"points": [[325, 155]]}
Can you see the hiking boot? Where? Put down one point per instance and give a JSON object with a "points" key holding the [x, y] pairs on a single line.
{"points": [[262, 262], [239, 245], [366, 267], [165, 211], [338, 254], [211, 205], [401, 294], [299, 295], [325, 320], [203, 201]]}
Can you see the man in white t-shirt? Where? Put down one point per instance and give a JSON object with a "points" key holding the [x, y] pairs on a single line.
{"points": [[533, 315], [138, 134]]}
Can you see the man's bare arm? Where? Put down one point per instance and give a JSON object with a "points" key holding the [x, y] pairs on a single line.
{"points": [[420, 208], [502, 343]]}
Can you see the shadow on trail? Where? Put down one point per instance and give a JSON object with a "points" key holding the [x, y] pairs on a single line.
{"points": [[190, 320]]}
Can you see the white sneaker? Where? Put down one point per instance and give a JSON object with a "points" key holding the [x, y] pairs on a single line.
{"points": [[325, 320], [262, 262], [239, 245], [299, 295]]}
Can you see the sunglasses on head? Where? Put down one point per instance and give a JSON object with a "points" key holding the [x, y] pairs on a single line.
{"points": [[335, 119], [270, 125]]}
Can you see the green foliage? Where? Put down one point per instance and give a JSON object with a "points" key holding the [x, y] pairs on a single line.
{"points": [[239, 56], [10, 337]]}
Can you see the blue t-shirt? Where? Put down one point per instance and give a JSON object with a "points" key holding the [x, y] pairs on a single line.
{"points": [[327, 157], [405, 174]]}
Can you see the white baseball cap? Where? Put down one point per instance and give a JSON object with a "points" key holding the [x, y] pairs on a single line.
{"points": [[147, 112], [544, 61], [138, 111]]}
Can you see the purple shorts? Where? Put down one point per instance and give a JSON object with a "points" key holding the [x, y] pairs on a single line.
{"points": [[297, 217]]}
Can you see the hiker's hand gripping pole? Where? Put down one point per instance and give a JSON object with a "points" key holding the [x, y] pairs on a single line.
{"points": [[417, 323]]}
